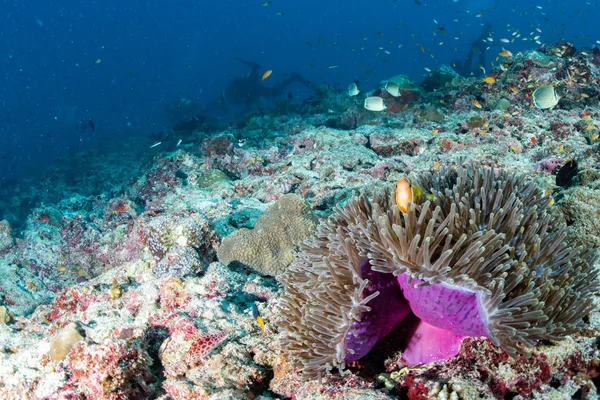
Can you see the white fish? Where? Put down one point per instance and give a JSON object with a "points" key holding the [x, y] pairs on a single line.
{"points": [[374, 103], [392, 88], [178, 143], [505, 40], [353, 89], [545, 97], [156, 144]]}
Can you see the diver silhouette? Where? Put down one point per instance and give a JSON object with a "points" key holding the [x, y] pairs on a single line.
{"points": [[478, 47], [248, 89]]}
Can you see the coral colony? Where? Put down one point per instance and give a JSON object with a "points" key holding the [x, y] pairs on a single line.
{"points": [[412, 241]]}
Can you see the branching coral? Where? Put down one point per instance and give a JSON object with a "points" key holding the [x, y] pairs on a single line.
{"points": [[482, 255]]}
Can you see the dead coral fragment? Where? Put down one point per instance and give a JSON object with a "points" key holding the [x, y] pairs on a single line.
{"points": [[65, 340], [490, 237]]}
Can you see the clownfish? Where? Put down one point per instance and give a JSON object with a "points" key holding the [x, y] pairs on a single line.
{"points": [[407, 193]]}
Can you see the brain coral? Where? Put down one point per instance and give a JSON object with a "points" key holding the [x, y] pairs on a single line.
{"points": [[269, 246], [484, 255]]}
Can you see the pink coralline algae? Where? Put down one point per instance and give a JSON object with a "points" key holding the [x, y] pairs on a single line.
{"points": [[114, 369], [482, 256], [203, 346]]}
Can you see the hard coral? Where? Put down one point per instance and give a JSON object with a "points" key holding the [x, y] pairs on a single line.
{"points": [[179, 242], [269, 247], [482, 256]]}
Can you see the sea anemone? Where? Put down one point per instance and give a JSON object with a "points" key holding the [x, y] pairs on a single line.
{"points": [[481, 254]]}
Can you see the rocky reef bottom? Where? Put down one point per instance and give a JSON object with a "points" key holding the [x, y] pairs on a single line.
{"points": [[147, 280]]}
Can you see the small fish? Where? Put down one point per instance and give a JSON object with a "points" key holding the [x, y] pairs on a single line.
{"points": [[257, 317], [353, 89], [156, 144], [91, 125], [98, 61], [279, 13], [490, 79], [178, 142], [505, 40], [545, 97], [266, 3], [505, 53], [476, 103], [392, 88], [332, 66], [566, 173], [374, 103], [266, 74], [406, 193]]}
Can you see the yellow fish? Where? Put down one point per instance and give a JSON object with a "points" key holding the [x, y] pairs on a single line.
{"points": [[505, 53], [266, 74], [406, 193], [257, 317], [490, 79]]}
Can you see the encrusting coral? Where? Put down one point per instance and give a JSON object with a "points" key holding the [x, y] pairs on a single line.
{"points": [[481, 254], [180, 243], [269, 247]]}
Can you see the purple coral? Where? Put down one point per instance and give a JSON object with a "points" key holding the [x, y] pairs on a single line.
{"points": [[484, 256]]}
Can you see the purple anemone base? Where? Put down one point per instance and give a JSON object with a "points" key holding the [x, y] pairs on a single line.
{"points": [[446, 314], [387, 310]]}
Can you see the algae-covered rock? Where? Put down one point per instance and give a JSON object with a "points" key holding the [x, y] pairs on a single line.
{"points": [[502, 105], [212, 177], [432, 114], [6, 240], [439, 78]]}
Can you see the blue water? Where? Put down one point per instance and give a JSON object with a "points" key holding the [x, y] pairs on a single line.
{"points": [[120, 63]]}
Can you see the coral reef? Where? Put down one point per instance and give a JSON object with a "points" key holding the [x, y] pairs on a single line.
{"points": [[109, 254], [269, 247], [181, 243], [113, 369], [6, 239]]}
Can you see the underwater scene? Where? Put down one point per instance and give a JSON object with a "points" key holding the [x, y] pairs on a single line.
{"points": [[250, 199]]}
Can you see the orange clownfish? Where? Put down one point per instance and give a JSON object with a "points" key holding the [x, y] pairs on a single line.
{"points": [[406, 193], [266, 74]]}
